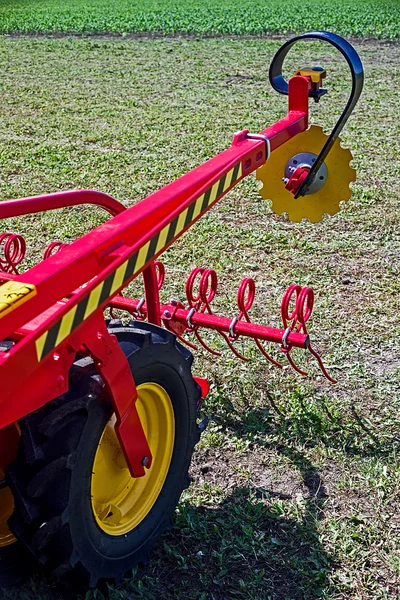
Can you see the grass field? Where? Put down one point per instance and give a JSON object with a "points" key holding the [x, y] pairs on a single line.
{"points": [[296, 482], [361, 18]]}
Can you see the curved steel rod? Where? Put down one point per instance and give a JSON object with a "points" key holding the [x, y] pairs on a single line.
{"points": [[35, 204], [279, 83]]}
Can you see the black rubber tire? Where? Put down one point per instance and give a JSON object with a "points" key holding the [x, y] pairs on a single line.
{"points": [[51, 477], [15, 566], [14, 561]]}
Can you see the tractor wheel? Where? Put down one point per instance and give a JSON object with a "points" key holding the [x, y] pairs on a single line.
{"points": [[9, 548], [14, 562], [77, 509], [7, 540]]}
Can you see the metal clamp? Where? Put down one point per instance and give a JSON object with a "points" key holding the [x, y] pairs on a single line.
{"points": [[189, 318], [232, 326], [285, 337], [139, 307], [263, 138]]}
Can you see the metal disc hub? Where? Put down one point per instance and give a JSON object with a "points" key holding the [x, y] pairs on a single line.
{"points": [[325, 195], [307, 159]]}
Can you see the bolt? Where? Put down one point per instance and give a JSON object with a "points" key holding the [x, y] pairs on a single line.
{"points": [[145, 461], [285, 180], [167, 314], [173, 302]]}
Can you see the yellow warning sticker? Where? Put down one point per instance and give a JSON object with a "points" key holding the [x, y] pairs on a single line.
{"points": [[13, 294]]}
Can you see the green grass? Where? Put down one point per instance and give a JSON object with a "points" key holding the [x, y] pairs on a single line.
{"points": [[296, 482], [361, 18]]}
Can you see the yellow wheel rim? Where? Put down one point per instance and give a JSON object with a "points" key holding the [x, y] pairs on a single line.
{"points": [[119, 501], [6, 510]]}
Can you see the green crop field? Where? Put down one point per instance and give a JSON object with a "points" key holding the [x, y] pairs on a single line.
{"points": [[361, 18]]}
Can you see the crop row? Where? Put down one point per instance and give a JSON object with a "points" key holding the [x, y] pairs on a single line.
{"points": [[358, 18]]}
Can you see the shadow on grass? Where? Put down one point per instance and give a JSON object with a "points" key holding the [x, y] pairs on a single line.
{"points": [[247, 546], [252, 544], [301, 420], [244, 548]]}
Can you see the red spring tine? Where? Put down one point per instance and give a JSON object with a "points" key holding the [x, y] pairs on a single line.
{"points": [[160, 273], [195, 302], [208, 288], [245, 297], [299, 316], [306, 303], [206, 346], [297, 296], [268, 356], [321, 364], [304, 307], [193, 299], [14, 249], [249, 285], [295, 367], [290, 295], [201, 301], [53, 248], [169, 326]]}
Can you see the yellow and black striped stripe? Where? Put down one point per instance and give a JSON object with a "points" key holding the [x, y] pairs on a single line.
{"points": [[109, 286]]}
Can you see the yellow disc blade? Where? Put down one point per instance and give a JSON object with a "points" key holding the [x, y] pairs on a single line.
{"points": [[311, 206]]}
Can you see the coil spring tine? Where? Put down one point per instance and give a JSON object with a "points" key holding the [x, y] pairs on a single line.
{"points": [[321, 365], [205, 345]]}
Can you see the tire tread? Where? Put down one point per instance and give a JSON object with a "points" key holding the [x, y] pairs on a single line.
{"points": [[40, 472]]}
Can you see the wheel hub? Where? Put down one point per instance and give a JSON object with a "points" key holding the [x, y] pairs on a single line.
{"points": [[120, 502]]}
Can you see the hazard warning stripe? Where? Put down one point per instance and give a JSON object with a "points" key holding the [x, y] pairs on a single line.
{"points": [[104, 290]]}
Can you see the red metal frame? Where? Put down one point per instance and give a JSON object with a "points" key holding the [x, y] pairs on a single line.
{"points": [[66, 294], [35, 204]]}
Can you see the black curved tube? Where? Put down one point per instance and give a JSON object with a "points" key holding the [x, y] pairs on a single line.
{"points": [[280, 84]]}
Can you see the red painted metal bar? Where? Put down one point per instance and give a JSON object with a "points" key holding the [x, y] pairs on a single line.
{"points": [[35, 204], [152, 294], [217, 323], [9, 440], [117, 376], [297, 117]]}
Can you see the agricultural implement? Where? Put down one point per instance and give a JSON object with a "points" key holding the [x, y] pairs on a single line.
{"points": [[99, 416]]}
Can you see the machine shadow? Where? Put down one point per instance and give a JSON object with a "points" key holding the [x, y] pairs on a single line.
{"points": [[309, 426], [249, 544], [244, 548]]}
